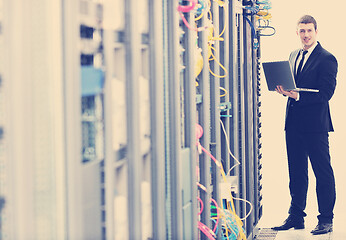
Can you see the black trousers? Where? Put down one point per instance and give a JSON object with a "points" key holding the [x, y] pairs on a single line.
{"points": [[300, 148]]}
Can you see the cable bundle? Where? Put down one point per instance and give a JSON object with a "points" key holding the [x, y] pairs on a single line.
{"points": [[198, 8], [231, 223], [263, 18], [259, 9], [223, 217]]}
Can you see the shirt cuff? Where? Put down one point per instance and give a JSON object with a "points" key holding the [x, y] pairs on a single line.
{"points": [[298, 97]]}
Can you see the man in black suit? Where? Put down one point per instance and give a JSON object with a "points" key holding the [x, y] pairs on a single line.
{"points": [[307, 125]]}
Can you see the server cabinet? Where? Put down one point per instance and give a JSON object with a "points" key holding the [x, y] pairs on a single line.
{"points": [[32, 157]]}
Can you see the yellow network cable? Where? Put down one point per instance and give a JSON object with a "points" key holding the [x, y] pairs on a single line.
{"points": [[211, 39], [225, 92], [264, 16], [213, 58], [199, 62], [263, 13], [221, 3], [202, 14], [199, 17], [231, 208]]}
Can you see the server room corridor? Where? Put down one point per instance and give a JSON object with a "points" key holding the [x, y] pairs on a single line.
{"points": [[151, 119]]}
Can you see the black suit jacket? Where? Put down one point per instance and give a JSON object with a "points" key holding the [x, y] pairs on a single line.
{"points": [[312, 113]]}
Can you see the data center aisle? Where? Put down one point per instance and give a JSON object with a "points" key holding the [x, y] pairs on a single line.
{"points": [[276, 197]]}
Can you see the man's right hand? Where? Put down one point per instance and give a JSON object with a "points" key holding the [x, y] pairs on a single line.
{"points": [[292, 94]]}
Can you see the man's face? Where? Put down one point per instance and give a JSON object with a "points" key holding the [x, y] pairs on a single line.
{"points": [[307, 34]]}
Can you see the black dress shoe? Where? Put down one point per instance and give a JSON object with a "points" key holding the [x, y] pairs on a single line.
{"points": [[289, 223], [322, 228]]}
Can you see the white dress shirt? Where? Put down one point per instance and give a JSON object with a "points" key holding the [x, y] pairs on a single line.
{"points": [[307, 55]]}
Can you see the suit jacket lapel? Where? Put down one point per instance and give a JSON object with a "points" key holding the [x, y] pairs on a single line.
{"points": [[293, 58], [313, 57]]}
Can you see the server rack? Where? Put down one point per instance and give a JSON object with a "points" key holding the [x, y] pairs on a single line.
{"points": [[32, 160], [239, 113], [133, 115], [2, 124]]}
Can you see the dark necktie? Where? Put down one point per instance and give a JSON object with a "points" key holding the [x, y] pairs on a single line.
{"points": [[301, 64]]}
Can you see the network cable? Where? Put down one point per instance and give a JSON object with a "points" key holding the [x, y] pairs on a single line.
{"points": [[254, 35], [230, 205], [186, 9], [228, 148], [212, 39]]}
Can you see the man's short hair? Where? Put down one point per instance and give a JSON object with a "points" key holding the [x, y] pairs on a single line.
{"points": [[307, 19]]}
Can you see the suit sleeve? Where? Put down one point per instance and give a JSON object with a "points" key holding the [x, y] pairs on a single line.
{"points": [[326, 82]]}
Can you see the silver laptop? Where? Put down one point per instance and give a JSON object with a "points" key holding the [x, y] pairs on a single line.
{"points": [[280, 73]]}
